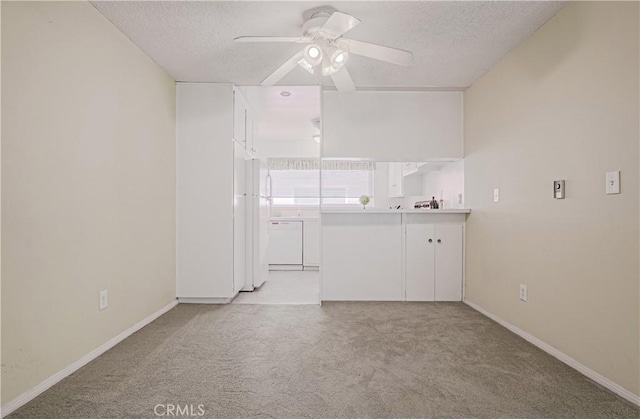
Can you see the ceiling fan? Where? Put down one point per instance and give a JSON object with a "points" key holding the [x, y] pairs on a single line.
{"points": [[327, 51]]}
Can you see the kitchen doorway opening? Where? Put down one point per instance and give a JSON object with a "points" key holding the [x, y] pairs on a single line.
{"points": [[283, 221]]}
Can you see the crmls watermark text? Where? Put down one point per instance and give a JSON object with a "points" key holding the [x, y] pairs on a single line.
{"points": [[170, 409]]}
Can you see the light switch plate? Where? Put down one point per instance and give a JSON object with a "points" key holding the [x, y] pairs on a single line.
{"points": [[523, 292], [104, 302], [613, 182], [496, 195]]}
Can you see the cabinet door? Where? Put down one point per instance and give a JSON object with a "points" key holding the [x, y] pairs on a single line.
{"points": [[250, 144], [396, 182], [239, 217], [239, 117], [409, 168], [448, 262], [311, 243], [419, 268]]}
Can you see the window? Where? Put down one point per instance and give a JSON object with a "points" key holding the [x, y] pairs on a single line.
{"points": [[295, 187], [343, 183], [345, 187]]}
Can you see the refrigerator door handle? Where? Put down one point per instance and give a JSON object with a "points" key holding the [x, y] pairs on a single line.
{"points": [[268, 186]]}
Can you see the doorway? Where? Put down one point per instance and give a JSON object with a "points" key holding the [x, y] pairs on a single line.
{"points": [[283, 225]]}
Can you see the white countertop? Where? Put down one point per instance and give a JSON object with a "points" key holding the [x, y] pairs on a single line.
{"points": [[294, 218], [398, 211]]}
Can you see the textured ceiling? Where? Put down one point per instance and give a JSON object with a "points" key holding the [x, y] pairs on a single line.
{"points": [[453, 42]]}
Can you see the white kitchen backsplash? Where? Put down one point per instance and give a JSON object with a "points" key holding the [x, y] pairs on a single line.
{"points": [[446, 184], [288, 212], [442, 181]]}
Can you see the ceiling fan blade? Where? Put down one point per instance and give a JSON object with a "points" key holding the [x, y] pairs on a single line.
{"points": [[283, 70], [338, 24], [270, 39], [379, 52], [343, 81]]}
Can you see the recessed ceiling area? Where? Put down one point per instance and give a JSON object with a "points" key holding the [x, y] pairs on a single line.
{"points": [[453, 42], [280, 117]]}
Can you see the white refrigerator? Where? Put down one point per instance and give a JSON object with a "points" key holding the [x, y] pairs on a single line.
{"points": [[258, 216]]}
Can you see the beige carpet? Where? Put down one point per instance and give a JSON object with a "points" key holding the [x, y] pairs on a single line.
{"points": [[341, 360]]}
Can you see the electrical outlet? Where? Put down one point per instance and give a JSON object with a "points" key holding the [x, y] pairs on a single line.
{"points": [[523, 292], [104, 302], [496, 195]]}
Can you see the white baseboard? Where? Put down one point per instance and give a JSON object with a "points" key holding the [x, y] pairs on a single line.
{"points": [[605, 382], [31, 394], [285, 267], [198, 300]]}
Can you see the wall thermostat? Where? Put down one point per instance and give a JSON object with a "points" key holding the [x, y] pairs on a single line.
{"points": [[558, 189]]}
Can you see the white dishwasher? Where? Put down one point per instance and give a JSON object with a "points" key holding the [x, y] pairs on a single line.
{"points": [[285, 245]]}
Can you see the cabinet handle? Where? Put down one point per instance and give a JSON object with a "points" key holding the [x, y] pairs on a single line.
{"points": [[430, 240], [439, 241]]}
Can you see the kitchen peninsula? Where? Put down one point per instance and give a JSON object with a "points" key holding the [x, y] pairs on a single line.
{"points": [[393, 255]]}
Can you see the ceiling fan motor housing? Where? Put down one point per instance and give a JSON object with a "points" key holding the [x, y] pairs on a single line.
{"points": [[327, 51], [311, 28]]}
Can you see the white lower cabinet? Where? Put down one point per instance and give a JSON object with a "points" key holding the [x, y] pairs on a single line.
{"points": [[433, 263]]}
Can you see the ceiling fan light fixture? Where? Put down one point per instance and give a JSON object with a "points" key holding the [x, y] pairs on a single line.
{"points": [[339, 58], [316, 138], [313, 55], [306, 65], [326, 51], [331, 66], [314, 51]]}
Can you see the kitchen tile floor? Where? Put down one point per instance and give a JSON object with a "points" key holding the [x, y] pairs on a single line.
{"points": [[285, 287]]}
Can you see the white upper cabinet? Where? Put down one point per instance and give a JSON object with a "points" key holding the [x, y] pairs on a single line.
{"points": [[396, 180], [409, 168], [239, 117], [409, 126], [205, 190], [250, 145], [242, 121]]}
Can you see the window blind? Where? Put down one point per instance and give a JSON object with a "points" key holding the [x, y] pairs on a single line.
{"points": [[339, 186]]}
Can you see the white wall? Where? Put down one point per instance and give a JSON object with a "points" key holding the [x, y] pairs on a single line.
{"points": [[563, 105], [0, 232], [88, 169], [393, 126], [204, 136]]}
